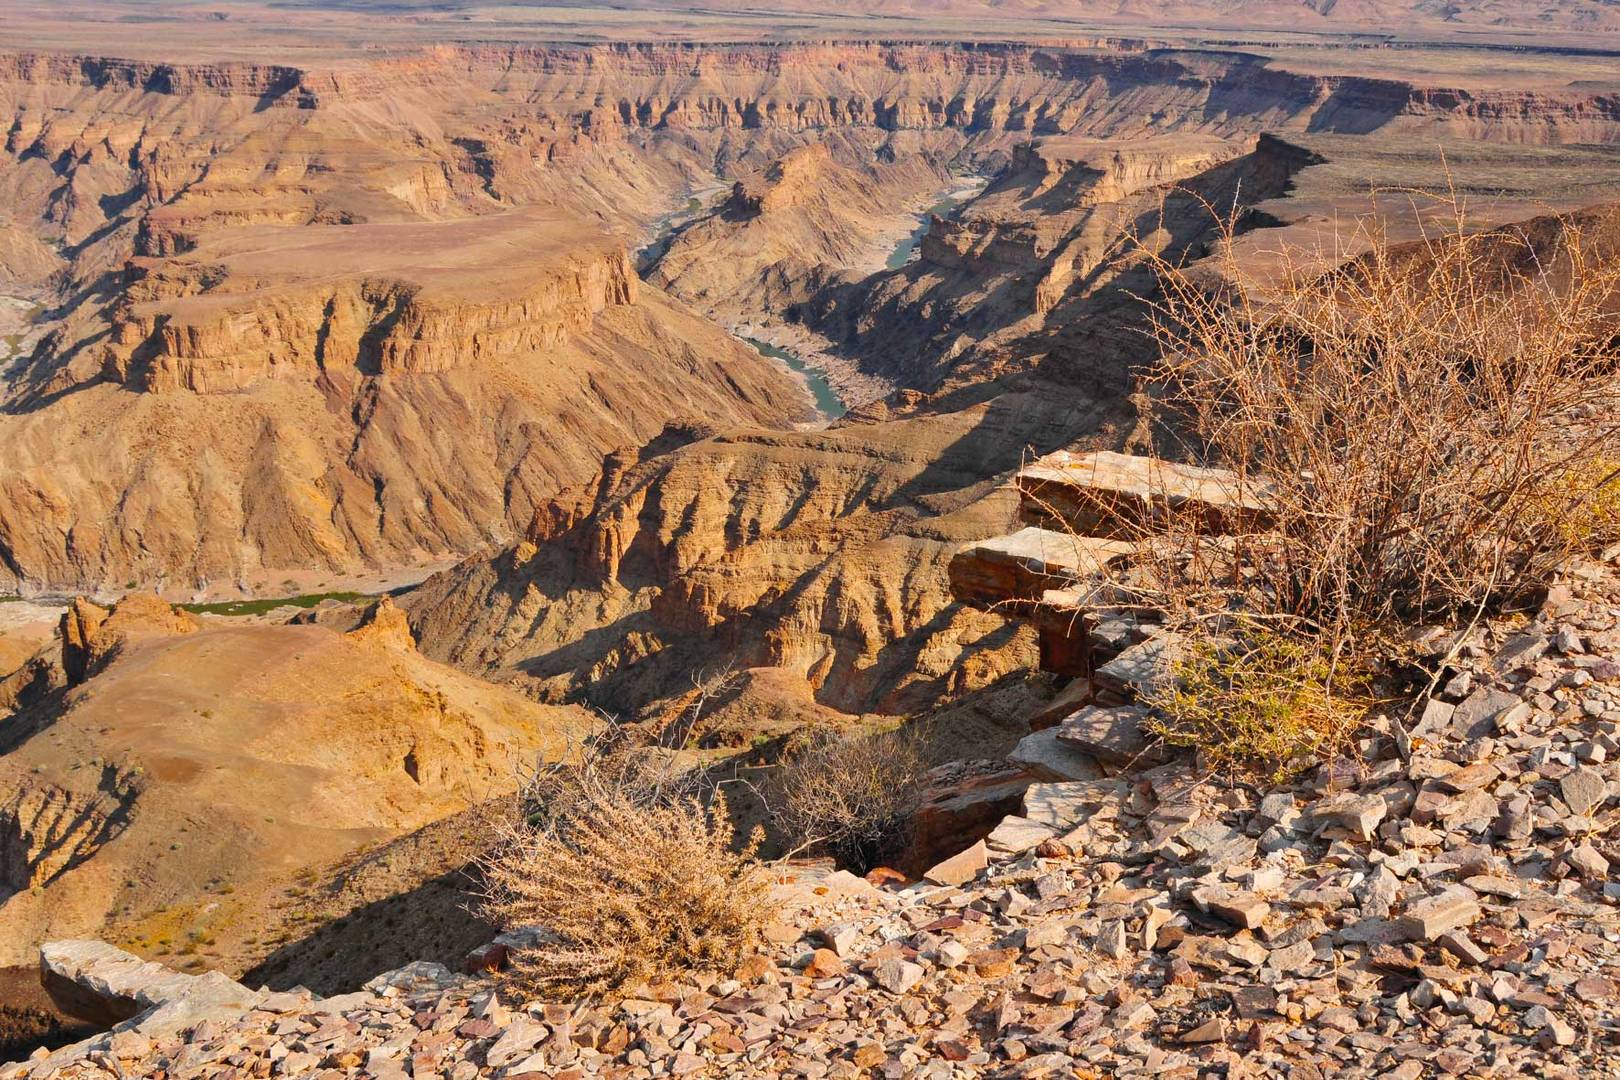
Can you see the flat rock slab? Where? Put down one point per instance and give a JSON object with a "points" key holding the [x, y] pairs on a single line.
{"points": [[1477, 715], [105, 985], [1110, 494], [1111, 734], [1016, 835], [1064, 805], [1433, 916], [1583, 790], [1021, 566], [1145, 667], [960, 868], [1042, 755], [1071, 699]]}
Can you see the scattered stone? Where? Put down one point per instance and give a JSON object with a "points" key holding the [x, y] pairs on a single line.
{"points": [[1210, 1031], [824, 964], [897, 976], [961, 867], [1239, 909], [1587, 861], [1432, 916], [1461, 946], [1016, 835], [1583, 789], [1349, 815]]}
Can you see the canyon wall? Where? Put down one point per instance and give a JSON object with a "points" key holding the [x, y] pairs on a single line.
{"points": [[365, 315]]}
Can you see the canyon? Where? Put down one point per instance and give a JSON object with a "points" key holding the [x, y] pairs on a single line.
{"points": [[248, 329], [456, 307]]}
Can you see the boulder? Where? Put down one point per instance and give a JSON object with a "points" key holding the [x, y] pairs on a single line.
{"points": [[1111, 494], [961, 802], [104, 985]]}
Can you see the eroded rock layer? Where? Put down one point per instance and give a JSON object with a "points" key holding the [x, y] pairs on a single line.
{"points": [[366, 314]]}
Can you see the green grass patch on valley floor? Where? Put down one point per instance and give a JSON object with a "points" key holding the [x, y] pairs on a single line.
{"points": [[261, 607]]}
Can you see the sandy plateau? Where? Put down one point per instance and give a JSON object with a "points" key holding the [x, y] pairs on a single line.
{"points": [[440, 308]]}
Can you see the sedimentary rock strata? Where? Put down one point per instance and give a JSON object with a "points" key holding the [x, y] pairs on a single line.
{"points": [[254, 233]]}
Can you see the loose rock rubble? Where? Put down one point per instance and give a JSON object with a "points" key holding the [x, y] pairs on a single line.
{"points": [[1446, 904]]}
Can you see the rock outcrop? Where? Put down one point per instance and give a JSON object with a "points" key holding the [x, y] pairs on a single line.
{"points": [[103, 985], [92, 637]]}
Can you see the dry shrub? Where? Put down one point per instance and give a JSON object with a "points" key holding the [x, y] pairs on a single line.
{"points": [[1258, 700], [853, 795], [1433, 428], [1593, 522], [1417, 419], [631, 870]]}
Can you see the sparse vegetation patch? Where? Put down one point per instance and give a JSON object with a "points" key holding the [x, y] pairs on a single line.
{"points": [[852, 795], [630, 871], [1433, 430]]}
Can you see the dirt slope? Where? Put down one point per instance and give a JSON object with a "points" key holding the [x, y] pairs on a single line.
{"points": [[170, 798]]}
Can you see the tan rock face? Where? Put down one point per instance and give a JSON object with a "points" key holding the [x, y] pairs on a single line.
{"points": [[92, 637], [390, 299], [375, 272], [332, 469], [828, 209], [386, 625]]}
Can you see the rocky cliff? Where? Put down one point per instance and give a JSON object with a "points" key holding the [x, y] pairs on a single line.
{"points": [[837, 205], [391, 299], [374, 311]]}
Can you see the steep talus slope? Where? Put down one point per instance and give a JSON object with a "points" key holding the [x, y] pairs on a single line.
{"points": [[197, 769]]}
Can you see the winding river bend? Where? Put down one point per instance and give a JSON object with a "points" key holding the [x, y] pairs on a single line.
{"points": [[944, 208], [827, 402]]}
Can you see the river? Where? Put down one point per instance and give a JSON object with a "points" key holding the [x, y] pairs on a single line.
{"points": [[827, 402], [944, 208], [664, 229]]}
